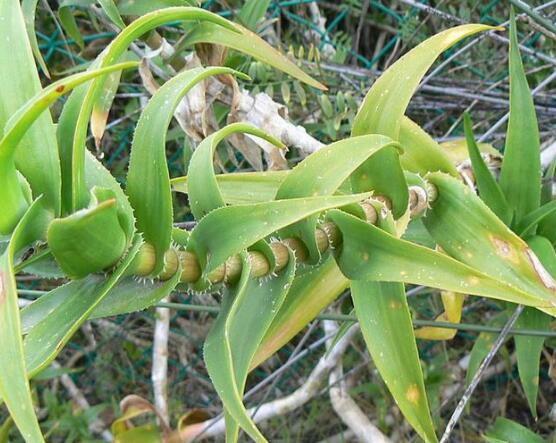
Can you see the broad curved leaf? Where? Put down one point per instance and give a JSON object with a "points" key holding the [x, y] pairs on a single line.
{"points": [[37, 158], [14, 386], [90, 240], [385, 322], [148, 178], [241, 187], [468, 231], [202, 185], [322, 173], [369, 253], [215, 238], [421, 153], [47, 338], [15, 131], [384, 106], [247, 311]]}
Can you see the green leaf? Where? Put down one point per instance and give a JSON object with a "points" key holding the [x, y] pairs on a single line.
{"points": [[129, 295], [142, 7], [482, 346], [118, 46], [528, 223], [28, 8], [322, 173], [235, 36], [489, 190], [90, 240], [383, 109], [99, 115], [37, 158], [15, 131], [215, 238], [508, 431], [247, 311], [384, 105], [468, 231], [243, 40], [14, 386], [385, 322], [110, 9], [152, 203], [520, 176], [528, 348], [47, 338], [241, 187], [67, 20], [312, 290], [252, 11], [421, 153], [204, 192], [96, 175], [369, 253]]}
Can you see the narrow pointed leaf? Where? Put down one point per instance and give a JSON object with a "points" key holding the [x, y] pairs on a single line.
{"points": [[383, 109], [520, 176], [252, 12], [237, 333], [369, 253], [215, 238], [529, 349], [322, 173], [312, 290], [384, 105], [489, 190], [68, 22], [148, 179], [120, 44], [243, 40], [37, 158], [14, 386], [385, 322], [468, 231], [129, 295], [110, 9], [528, 222], [28, 8]]}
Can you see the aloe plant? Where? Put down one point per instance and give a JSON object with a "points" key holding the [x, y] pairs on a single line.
{"points": [[280, 245]]}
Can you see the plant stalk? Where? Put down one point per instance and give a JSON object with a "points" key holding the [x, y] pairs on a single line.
{"points": [[327, 235]]}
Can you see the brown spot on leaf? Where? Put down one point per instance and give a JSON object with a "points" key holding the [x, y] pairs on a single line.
{"points": [[413, 394], [60, 88], [504, 249]]}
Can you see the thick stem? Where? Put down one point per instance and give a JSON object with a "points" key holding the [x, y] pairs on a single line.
{"points": [[327, 234]]}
